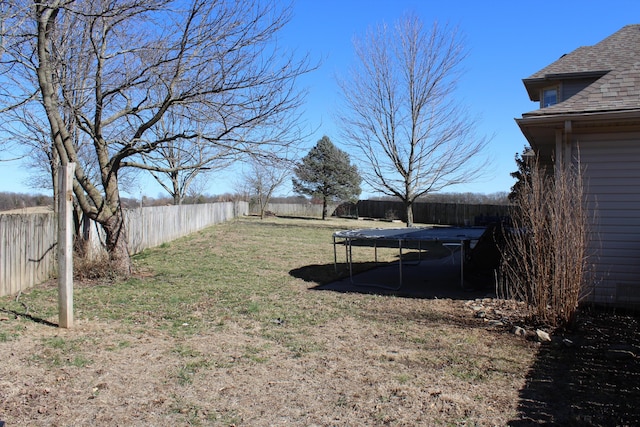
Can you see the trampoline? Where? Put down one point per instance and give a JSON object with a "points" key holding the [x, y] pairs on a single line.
{"points": [[402, 238]]}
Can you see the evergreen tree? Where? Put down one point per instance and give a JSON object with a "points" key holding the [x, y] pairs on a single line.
{"points": [[327, 173], [522, 175]]}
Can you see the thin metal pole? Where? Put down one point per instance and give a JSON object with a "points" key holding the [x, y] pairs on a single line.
{"points": [[375, 249], [462, 243], [400, 263], [350, 261], [335, 255]]}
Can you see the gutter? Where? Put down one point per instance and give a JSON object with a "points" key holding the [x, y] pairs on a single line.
{"points": [[555, 129], [532, 119]]}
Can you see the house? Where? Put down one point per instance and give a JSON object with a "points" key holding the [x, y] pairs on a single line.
{"points": [[590, 110]]}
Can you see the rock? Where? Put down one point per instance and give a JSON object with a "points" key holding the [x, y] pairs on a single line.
{"points": [[495, 323], [615, 354], [480, 314], [542, 336], [521, 332]]}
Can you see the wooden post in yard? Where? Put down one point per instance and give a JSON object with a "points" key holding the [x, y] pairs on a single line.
{"points": [[65, 245]]}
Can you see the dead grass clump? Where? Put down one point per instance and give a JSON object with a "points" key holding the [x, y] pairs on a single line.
{"points": [[95, 267]]}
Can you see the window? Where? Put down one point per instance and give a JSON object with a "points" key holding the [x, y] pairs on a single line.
{"points": [[549, 97]]}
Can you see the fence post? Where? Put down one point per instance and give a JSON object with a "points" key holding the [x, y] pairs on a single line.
{"points": [[65, 245]]}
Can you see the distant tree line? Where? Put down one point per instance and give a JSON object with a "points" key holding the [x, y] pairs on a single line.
{"points": [[130, 203], [9, 200], [498, 198]]}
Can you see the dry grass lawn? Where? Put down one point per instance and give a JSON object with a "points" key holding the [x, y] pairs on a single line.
{"points": [[214, 330]]}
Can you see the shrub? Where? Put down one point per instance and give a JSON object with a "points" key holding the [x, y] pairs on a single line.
{"points": [[545, 260]]}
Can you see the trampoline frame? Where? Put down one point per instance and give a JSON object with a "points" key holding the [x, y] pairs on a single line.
{"points": [[443, 235]]}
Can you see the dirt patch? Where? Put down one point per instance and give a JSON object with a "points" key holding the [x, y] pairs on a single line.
{"points": [[346, 372]]}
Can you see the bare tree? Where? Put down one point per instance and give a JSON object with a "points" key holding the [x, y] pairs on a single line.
{"points": [[400, 113], [197, 189], [263, 177], [105, 74], [177, 164]]}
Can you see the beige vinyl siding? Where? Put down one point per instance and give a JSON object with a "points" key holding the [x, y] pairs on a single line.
{"points": [[612, 176]]}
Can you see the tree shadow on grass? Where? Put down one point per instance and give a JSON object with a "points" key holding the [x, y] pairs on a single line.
{"points": [[594, 380], [34, 319], [324, 274]]}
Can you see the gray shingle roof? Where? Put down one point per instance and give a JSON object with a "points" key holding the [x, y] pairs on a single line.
{"points": [[617, 57]]}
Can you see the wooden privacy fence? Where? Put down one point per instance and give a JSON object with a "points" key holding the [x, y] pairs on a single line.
{"points": [[152, 226], [295, 209], [28, 241], [27, 250], [433, 213], [423, 212]]}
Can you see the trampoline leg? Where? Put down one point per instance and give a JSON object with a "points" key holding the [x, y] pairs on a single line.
{"points": [[335, 255], [462, 244], [400, 263], [350, 262], [346, 251]]}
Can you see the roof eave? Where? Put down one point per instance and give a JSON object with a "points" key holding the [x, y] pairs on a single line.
{"points": [[534, 84], [537, 128]]}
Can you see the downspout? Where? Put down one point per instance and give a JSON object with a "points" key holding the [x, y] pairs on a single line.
{"points": [[559, 151], [563, 145], [567, 157]]}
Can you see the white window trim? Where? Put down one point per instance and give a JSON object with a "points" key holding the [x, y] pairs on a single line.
{"points": [[542, 98]]}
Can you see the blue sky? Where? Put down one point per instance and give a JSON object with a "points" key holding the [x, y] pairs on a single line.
{"points": [[507, 41]]}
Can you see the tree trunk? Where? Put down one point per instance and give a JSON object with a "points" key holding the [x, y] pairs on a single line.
{"points": [[324, 208], [109, 214], [262, 203], [409, 206], [117, 247], [54, 180], [82, 226]]}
